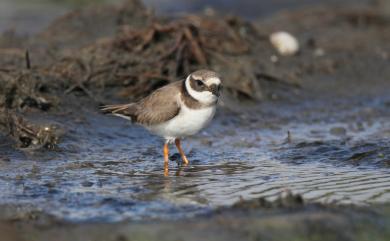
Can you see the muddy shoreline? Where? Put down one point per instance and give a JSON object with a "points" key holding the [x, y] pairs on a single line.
{"points": [[249, 220], [315, 124]]}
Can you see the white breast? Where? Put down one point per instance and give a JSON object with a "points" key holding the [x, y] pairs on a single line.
{"points": [[187, 122]]}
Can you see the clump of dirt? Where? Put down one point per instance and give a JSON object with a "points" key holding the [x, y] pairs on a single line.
{"points": [[27, 134], [143, 59], [27, 89]]}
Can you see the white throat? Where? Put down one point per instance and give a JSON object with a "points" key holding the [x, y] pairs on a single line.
{"points": [[204, 97]]}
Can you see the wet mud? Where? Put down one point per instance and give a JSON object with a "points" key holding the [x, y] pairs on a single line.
{"points": [[299, 147], [288, 220]]}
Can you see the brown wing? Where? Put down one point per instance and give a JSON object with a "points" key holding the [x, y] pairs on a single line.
{"points": [[126, 111], [160, 106]]}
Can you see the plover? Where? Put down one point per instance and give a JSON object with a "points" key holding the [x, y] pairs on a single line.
{"points": [[175, 111]]}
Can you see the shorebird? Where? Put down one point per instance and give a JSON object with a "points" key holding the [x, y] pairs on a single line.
{"points": [[176, 110]]}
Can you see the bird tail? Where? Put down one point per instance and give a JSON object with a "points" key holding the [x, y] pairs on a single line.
{"points": [[126, 111]]}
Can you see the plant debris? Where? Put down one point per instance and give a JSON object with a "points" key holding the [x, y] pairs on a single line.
{"points": [[27, 135]]}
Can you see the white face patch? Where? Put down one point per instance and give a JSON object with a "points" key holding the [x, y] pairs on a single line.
{"points": [[205, 97], [213, 80]]}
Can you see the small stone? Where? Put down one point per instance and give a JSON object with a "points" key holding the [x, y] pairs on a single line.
{"points": [[19, 177], [209, 11], [175, 157], [87, 184], [49, 185], [285, 43], [319, 52], [4, 159], [338, 131], [274, 58]]}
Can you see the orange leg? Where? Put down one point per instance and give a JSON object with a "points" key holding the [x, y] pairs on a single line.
{"points": [[183, 156], [166, 154]]}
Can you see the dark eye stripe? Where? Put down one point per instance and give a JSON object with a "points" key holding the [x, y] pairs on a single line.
{"points": [[197, 85]]}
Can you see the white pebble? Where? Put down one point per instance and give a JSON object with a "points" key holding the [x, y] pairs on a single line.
{"points": [[274, 58], [319, 52], [285, 43]]}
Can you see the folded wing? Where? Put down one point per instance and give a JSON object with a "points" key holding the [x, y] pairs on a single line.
{"points": [[160, 106]]}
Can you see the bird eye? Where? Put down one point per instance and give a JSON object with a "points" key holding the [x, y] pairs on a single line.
{"points": [[199, 82]]}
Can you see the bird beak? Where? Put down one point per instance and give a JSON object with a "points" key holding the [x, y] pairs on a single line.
{"points": [[215, 90]]}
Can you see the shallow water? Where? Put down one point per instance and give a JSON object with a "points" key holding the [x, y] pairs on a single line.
{"points": [[102, 172]]}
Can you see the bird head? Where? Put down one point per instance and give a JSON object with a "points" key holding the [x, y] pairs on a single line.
{"points": [[204, 86]]}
